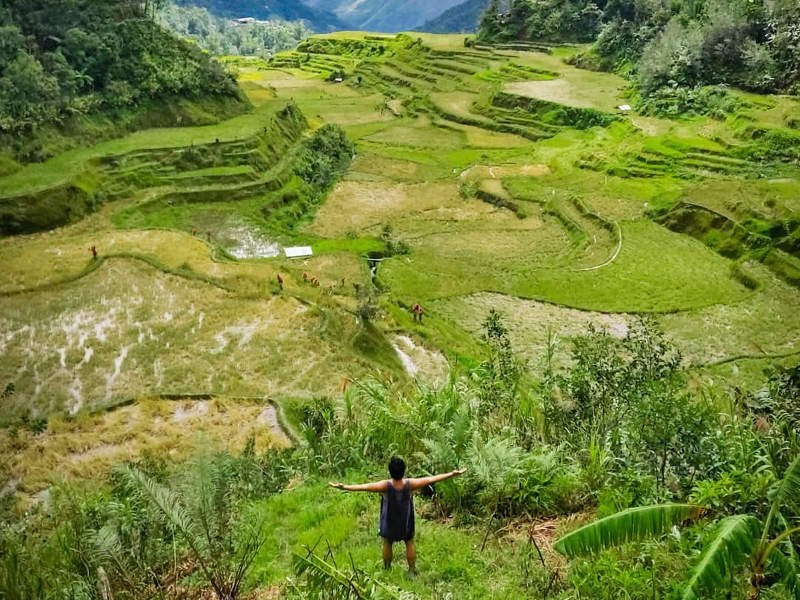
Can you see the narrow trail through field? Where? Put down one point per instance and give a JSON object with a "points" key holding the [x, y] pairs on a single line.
{"points": [[614, 256]]}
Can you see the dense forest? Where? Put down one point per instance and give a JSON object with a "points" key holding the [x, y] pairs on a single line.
{"points": [[221, 36], [287, 10], [670, 48], [60, 60]]}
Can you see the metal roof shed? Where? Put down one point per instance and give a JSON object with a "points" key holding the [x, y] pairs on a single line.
{"points": [[298, 251]]}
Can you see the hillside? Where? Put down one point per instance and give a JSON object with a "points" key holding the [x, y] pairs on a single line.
{"points": [[285, 10], [609, 340], [384, 15], [670, 54], [224, 37], [77, 71], [462, 18]]}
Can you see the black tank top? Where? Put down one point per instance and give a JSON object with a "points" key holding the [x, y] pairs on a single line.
{"points": [[397, 514]]}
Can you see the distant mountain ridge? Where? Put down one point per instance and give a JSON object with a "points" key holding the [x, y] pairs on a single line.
{"points": [[384, 15], [462, 18], [318, 19]]}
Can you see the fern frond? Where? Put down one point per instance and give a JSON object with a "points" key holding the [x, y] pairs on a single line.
{"points": [[107, 544], [625, 526], [168, 503], [789, 487], [325, 576], [732, 545], [788, 571]]}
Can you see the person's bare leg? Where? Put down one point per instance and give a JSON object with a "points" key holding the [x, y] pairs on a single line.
{"points": [[387, 554], [411, 556]]}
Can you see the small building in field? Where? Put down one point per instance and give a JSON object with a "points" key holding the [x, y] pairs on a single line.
{"points": [[298, 251]]}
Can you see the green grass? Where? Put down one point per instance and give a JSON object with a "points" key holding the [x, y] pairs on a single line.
{"points": [[689, 275], [214, 171], [448, 561], [65, 166]]}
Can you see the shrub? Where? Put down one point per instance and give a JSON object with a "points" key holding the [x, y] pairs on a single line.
{"points": [[324, 156], [678, 102]]}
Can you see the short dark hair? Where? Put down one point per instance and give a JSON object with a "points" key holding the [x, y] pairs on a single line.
{"points": [[397, 467]]}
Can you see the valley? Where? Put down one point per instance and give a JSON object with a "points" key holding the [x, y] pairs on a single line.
{"points": [[473, 178]]}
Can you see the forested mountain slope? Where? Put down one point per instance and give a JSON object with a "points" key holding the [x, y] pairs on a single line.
{"points": [[287, 10], [668, 47], [462, 18], [64, 61], [221, 36], [384, 15]]}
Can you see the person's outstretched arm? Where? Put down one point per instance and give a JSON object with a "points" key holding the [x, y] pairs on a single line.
{"points": [[421, 482], [378, 486]]}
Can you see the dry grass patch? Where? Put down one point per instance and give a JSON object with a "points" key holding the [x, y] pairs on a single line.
{"points": [[420, 134], [347, 110], [356, 206], [459, 104], [484, 138], [87, 447], [740, 199], [501, 171], [32, 261], [529, 322], [382, 167], [470, 216], [576, 87]]}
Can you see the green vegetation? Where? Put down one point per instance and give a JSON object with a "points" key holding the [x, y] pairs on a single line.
{"points": [[611, 324], [543, 447], [74, 65], [223, 37], [671, 51], [739, 539], [283, 10]]}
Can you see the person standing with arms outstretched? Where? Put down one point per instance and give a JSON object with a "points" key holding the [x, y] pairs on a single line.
{"points": [[397, 507]]}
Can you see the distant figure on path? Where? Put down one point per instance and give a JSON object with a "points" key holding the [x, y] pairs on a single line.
{"points": [[417, 311], [280, 281], [93, 250], [397, 507]]}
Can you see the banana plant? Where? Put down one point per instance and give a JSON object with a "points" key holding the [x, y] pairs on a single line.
{"points": [[765, 546]]}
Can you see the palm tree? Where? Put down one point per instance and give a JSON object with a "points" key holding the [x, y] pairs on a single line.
{"points": [[765, 546], [202, 517]]}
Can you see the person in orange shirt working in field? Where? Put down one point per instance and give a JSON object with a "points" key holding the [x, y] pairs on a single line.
{"points": [[397, 507]]}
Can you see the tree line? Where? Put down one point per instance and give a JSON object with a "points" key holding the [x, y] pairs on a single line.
{"points": [[60, 59], [221, 36], [666, 45]]}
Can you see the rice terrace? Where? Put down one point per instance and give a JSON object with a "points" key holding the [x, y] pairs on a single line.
{"points": [[515, 266]]}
